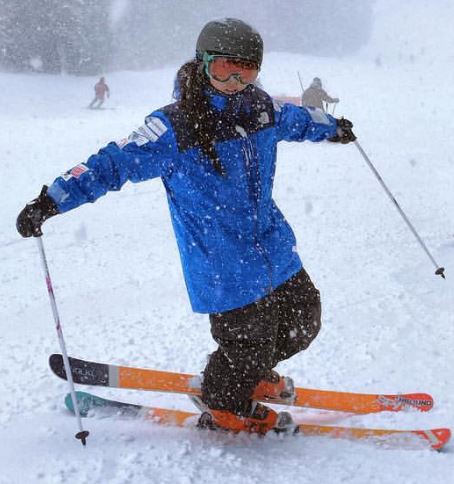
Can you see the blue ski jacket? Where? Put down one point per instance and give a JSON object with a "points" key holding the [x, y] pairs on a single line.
{"points": [[235, 244]]}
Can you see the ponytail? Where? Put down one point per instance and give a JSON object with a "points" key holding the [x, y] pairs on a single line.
{"points": [[196, 108]]}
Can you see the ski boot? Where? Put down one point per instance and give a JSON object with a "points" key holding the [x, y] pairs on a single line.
{"points": [[259, 419], [273, 387]]}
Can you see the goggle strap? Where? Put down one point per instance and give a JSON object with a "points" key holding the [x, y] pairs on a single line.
{"points": [[210, 57]]}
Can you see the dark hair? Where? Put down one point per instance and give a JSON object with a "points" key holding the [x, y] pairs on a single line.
{"points": [[195, 106]]}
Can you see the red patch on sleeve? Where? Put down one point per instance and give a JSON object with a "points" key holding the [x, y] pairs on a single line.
{"points": [[78, 170]]}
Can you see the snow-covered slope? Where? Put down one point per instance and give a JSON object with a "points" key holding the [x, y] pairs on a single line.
{"points": [[388, 321]]}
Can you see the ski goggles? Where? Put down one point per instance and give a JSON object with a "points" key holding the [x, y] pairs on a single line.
{"points": [[222, 68]]}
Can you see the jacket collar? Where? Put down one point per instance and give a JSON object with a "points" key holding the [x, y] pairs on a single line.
{"points": [[232, 103]]}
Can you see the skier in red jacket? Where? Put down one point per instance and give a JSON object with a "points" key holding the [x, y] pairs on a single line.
{"points": [[101, 89]]}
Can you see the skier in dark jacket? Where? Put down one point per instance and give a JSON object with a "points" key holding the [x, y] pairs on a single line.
{"points": [[215, 151]]}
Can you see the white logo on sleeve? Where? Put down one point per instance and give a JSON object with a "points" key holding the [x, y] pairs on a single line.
{"points": [[152, 130], [156, 125], [317, 115]]}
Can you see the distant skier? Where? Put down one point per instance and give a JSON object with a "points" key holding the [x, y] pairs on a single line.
{"points": [[215, 151], [315, 95], [101, 90]]}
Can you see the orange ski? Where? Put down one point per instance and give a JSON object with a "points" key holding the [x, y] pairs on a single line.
{"points": [[361, 402], [93, 405], [100, 374], [434, 438]]}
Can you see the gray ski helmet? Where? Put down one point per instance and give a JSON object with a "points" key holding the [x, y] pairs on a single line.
{"points": [[230, 37]]}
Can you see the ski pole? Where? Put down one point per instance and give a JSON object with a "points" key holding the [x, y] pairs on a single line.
{"points": [[439, 270], [82, 434], [301, 82]]}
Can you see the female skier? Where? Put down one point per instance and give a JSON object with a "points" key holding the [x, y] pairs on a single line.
{"points": [[215, 151]]}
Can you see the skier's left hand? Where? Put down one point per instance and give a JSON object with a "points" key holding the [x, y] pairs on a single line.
{"points": [[344, 132]]}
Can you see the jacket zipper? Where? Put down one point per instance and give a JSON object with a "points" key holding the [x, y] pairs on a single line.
{"points": [[248, 151]]}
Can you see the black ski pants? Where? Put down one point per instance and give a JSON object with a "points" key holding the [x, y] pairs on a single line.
{"points": [[254, 338]]}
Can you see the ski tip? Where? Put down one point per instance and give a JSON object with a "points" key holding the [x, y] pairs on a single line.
{"points": [[84, 402], [54, 357], [438, 437], [406, 401], [55, 361], [419, 401], [57, 365], [69, 402]]}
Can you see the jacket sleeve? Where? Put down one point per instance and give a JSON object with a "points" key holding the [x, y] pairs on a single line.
{"points": [[328, 98], [295, 123], [145, 154]]}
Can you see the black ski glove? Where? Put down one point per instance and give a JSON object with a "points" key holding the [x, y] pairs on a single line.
{"points": [[344, 132], [35, 214]]}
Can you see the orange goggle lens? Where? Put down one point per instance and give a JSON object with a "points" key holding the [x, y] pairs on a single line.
{"points": [[223, 68]]}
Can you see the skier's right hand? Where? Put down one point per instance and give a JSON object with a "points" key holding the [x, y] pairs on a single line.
{"points": [[35, 214]]}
